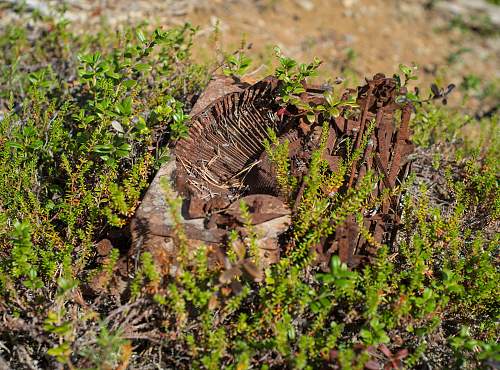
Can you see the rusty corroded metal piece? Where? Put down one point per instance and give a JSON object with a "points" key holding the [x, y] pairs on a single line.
{"points": [[223, 161], [225, 140], [207, 171], [387, 154]]}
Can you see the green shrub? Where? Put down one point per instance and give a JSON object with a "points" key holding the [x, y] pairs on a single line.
{"points": [[81, 120]]}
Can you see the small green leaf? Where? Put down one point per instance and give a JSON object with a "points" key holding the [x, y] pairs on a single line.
{"points": [[140, 36], [334, 112], [113, 75], [129, 83], [405, 69], [13, 144], [142, 67], [311, 117]]}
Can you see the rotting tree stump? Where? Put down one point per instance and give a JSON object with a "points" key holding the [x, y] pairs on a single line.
{"points": [[223, 161]]}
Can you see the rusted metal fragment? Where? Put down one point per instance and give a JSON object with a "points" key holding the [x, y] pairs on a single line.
{"points": [[273, 228], [208, 170], [269, 253], [262, 208], [155, 216], [218, 86], [333, 161], [216, 203], [196, 208], [262, 177], [385, 154], [269, 250], [230, 274], [384, 142], [155, 231], [226, 140], [223, 161]]}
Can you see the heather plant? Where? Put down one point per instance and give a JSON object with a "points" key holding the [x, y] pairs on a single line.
{"points": [[79, 141], [81, 120], [84, 155], [278, 154]]}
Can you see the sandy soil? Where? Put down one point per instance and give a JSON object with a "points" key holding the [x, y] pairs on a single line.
{"points": [[364, 36]]}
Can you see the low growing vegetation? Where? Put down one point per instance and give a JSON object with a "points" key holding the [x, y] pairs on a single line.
{"points": [[83, 120]]}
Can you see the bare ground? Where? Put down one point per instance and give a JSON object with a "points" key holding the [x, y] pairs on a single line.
{"points": [[361, 36]]}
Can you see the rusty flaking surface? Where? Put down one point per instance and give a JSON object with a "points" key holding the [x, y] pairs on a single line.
{"points": [[225, 140], [386, 154], [223, 161]]}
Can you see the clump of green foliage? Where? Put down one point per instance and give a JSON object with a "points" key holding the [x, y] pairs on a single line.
{"points": [[81, 118], [78, 145], [278, 154], [80, 121]]}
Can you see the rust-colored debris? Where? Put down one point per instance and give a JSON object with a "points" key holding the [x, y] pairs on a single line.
{"points": [[387, 154], [225, 142], [223, 161]]}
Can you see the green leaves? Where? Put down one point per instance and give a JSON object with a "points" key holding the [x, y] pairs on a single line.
{"points": [[90, 59], [71, 147], [142, 67], [92, 67], [293, 77], [124, 108], [278, 154], [39, 79], [140, 36], [464, 343], [335, 104], [337, 283], [109, 152], [426, 303], [61, 352], [170, 111], [339, 274], [408, 73], [236, 64], [23, 256], [375, 333]]}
